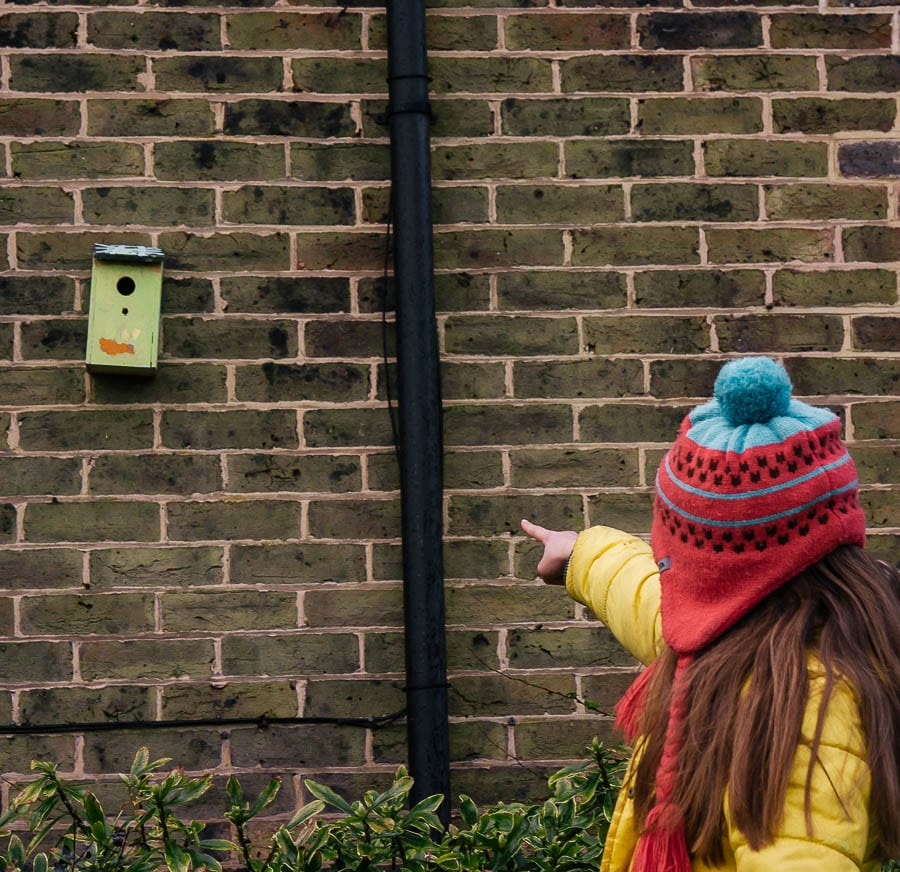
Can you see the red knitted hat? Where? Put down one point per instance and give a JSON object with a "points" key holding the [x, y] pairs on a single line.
{"points": [[756, 488]]}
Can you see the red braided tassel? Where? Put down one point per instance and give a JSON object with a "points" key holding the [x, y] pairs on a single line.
{"points": [[628, 709], [660, 850]]}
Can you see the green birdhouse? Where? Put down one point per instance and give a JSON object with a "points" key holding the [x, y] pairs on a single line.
{"points": [[126, 293]]}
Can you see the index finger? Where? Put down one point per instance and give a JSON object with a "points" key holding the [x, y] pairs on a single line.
{"points": [[536, 531]]}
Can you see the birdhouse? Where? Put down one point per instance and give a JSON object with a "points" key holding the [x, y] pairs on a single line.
{"points": [[123, 324]]}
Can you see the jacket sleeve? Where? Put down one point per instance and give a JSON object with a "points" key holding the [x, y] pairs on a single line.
{"points": [[841, 838], [615, 576]]}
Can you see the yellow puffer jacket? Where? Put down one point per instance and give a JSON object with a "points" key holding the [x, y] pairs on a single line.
{"points": [[615, 576]]}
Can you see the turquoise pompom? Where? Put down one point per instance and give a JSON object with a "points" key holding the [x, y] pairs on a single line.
{"points": [[752, 390]]}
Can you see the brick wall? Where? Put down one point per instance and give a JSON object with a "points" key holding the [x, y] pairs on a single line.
{"points": [[624, 196]]}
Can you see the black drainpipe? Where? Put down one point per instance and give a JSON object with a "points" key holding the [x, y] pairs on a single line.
{"points": [[421, 444]]}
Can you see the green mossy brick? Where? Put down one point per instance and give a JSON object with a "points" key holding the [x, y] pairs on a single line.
{"points": [[38, 29], [76, 160], [785, 333], [143, 117], [490, 75], [337, 75], [94, 521], [482, 740], [685, 115], [444, 32], [155, 31], [469, 605], [694, 202], [635, 245], [519, 424], [383, 472], [260, 204], [202, 160], [173, 383], [772, 244], [344, 338], [817, 115], [355, 607], [8, 521], [508, 160], [630, 512], [76, 72], [33, 386], [569, 646], [606, 690], [477, 558], [683, 378], [288, 118], [453, 291], [644, 335], [229, 338], [868, 72], [453, 117], [24, 476], [561, 738], [113, 752], [879, 420], [226, 611], [485, 4], [360, 518], [156, 567], [502, 335], [235, 252], [260, 473], [36, 205], [578, 378], [687, 30], [467, 649], [67, 251], [562, 31], [557, 204], [318, 382], [305, 745], [193, 521], [468, 381], [454, 205], [143, 659], [284, 294], [16, 748], [588, 116], [219, 74], [484, 249], [755, 73], [574, 467], [36, 295], [815, 202], [750, 157], [495, 515], [154, 474], [869, 160], [628, 158], [291, 655], [830, 30], [598, 73], [283, 31], [884, 546], [68, 705], [834, 287], [65, 430], [881, 507], [498, 696], [41, 568], [54, 339], [159, 205], [32, 117], [236, 428], [561, 290], [88, 614], [268, 699], [880, 244], [340, 251], [853, 376], [489, 785], [304, 563], [339, 161], [877, 464], [630, 423], [339, 428], [35, 661], [875, 333]]}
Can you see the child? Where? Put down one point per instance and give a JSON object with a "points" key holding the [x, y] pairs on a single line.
{"points": [[765, 728]]}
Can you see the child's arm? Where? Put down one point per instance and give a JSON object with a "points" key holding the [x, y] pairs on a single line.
{"points": [[614, 575]]}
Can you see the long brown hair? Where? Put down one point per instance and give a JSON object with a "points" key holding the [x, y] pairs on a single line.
{"points": [[748, 692]]}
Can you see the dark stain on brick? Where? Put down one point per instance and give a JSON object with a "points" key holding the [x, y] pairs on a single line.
{"points": [[204, 155], [278, 339]]}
